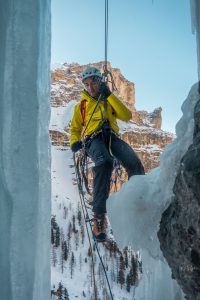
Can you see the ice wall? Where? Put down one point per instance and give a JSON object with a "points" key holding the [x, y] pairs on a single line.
{"points": [[24, 150], [135, 211]]}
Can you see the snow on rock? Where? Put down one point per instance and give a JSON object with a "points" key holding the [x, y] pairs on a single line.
{"points": [[135, 211], [61, 116]]}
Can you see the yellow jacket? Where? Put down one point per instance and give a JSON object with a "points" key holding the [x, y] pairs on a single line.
{"points": [[115, 110]]}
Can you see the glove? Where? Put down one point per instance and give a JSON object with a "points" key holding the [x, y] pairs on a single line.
{"points": [[76, 146], [104, 90]]}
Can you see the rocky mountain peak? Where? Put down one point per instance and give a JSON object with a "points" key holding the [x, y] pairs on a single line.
{"points": [[69, 77]]}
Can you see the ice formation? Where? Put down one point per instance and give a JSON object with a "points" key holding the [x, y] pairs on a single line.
{"points": [[135, 211], [25, 198], [195, 12]]}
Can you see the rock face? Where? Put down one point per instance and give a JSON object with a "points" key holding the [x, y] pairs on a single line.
{"points": [[153, 119], [143, 132], [179, 232], [148, 143]]}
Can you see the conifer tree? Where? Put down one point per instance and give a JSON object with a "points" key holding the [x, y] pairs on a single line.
{"points": [[54, 256], [57, 243], [69, 234], [128, 283], [62, 260], [60, 291], [65, 251], [140, 266], [82, 233], [121, 278], [65, 212], [74, 225], [134, 270], [79, 217], [77, 240], [66, 295], [121, 263], [114, 248], [53, 222], [89, 251], [72, 262], [52, 236], [126, 257], [62, 236]]}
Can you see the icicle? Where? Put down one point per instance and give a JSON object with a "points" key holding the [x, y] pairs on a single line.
{"points": [[195, 18]]}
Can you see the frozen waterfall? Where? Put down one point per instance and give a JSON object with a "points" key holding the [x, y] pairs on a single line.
{"points": [[25, 198]]}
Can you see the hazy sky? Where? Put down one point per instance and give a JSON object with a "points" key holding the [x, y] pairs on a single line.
{"points": [[149, 40]]}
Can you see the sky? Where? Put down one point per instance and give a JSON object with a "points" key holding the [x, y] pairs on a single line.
{"points": [[150, 41]]}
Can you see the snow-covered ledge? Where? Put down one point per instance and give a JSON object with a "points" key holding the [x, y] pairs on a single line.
{"points": [[25, 185]]}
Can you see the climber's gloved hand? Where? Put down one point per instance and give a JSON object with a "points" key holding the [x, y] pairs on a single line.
{"points": [[104, 90], [76, 146]]}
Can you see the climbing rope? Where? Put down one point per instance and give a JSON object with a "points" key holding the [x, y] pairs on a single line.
{"points": [[86, 217], [106, 37], [98, 101], [88, 220], [106, 73]]}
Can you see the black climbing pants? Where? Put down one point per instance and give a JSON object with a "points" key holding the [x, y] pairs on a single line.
{"points": [[98, 150]]}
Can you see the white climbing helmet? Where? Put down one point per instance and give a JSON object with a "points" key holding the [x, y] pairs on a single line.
{"points": [[89, 72]]}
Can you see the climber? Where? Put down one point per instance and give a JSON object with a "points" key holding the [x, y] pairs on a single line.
{"points": [[101, 140]]}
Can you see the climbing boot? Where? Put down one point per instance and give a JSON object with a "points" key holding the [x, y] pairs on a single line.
{"points": [[99, 227]]}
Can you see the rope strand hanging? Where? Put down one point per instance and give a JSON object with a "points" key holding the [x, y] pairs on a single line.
{"points": [[106, 72], [106, 38]]}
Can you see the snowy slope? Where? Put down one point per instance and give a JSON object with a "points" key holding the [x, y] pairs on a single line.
{"points": [[65, 205], [61, 116]]}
